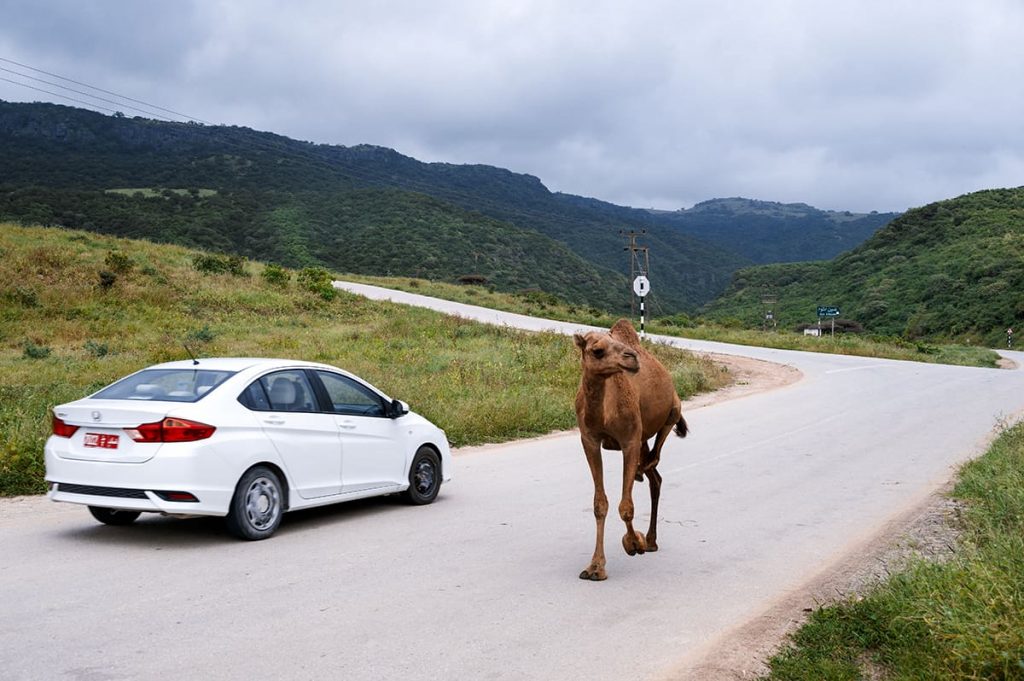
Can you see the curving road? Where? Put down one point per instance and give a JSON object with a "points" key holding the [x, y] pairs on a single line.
{"points": [[766, 491]]}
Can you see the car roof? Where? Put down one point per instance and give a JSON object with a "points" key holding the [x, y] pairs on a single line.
{"points": [[236, 363]]}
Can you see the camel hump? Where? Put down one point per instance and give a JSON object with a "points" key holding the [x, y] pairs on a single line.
{"points": [[624, 332]]}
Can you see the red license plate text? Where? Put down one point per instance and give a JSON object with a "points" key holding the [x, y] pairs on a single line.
{"points": [[101, 440]]}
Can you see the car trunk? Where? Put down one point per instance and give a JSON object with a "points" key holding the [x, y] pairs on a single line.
{"points": [[101, 434]]}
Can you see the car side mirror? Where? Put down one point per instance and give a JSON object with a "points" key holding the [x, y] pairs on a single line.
{"points": [[397, 408]]}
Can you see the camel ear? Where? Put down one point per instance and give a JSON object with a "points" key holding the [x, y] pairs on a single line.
{"points": [[581, 342]]}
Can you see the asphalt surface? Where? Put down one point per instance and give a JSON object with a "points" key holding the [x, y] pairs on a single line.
{"points": [[765, 492]]}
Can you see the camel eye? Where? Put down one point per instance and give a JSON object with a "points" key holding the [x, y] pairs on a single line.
{"points": [[598, 352]]}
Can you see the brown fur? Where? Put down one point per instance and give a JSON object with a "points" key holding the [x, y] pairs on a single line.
{"points": [[625, 398]]}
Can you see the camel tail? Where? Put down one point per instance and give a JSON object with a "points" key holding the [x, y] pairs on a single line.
{"points": [[681, 428]]}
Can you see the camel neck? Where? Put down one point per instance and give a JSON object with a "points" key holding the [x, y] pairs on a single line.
{"points": [[593, 393]]}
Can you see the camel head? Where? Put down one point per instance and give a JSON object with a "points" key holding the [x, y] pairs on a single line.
{"points": [[602, 355]]}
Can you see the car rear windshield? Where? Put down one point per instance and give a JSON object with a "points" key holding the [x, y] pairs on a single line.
{"points": [[167, 385]]}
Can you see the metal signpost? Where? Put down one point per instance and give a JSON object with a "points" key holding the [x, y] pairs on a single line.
{"points": [[828, 311], [641, 287]]}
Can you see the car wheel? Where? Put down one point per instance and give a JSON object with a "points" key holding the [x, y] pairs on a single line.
{"points": [[113, 516], [257, 506], [424, 477]]}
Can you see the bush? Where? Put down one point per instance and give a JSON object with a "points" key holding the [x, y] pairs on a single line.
{"points": [[116, 261], [540, 298], [33, 351], [275, 275], [96, 349], [203, 335], [24, 297], [107, 279], [317, 280], [220, 264]]}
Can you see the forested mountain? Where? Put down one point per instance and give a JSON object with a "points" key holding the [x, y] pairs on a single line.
{"points": [[949, 269], [767, 231], [272, 197]]}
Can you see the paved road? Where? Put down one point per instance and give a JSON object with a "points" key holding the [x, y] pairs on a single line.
{"points": [[483, 583]]}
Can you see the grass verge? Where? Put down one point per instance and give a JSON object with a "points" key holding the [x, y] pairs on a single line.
{"points": [[961, 619], [539, 304], [79, 310]]}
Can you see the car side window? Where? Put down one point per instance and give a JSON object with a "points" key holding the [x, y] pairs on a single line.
{"points": [[350, 397], [255, 397], [289, 391]]}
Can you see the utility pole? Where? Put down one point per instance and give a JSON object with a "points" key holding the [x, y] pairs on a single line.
{"points": [[636, 267], [768, 300]]}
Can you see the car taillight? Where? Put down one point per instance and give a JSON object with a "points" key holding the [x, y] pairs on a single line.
{"points": [[170, 430], [62, 429]]}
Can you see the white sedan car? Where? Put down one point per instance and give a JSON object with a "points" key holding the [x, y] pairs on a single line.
{"points": [[248, 439]]}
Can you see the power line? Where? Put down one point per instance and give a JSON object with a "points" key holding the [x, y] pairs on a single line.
{"points": [[86, 94], [55, 94], [99, 89]]}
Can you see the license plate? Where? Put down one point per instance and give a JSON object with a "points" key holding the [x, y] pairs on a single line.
{"points": [[101, 440]]}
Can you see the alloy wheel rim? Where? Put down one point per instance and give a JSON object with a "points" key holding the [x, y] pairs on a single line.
{"points": [[262, 503]]}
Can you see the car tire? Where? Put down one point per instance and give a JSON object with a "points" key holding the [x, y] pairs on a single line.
{"points": [[424, 477], [113, 516], [257, 506]]}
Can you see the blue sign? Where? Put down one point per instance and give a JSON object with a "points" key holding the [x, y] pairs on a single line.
{"points": [[828, 311]]}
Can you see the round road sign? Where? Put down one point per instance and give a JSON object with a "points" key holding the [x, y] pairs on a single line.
{"points": [[641, 286]]}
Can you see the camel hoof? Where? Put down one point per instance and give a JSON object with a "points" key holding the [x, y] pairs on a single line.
{"points": [[652, 546], [594, 574], [634, 543]]}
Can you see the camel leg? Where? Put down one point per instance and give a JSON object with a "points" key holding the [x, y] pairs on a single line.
{"points": [[633, 542], [659, 441], [654, 480], [595, 571], [645, 455]]}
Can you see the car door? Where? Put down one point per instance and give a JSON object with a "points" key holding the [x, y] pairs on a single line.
{"points": [[306, 438], [372, 445]]}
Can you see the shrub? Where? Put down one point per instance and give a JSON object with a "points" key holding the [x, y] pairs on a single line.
{"points": [[116, 261], [275, 275], [96, 349], [203, 335], [33, 351], [25, 297], [538, 297], [317, 280], [220, 264], [107, 279]]}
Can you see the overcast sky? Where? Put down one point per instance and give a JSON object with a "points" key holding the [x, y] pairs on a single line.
{"points": [[869, 105]]}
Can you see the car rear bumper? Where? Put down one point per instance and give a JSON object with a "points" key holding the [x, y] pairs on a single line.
{"points": [[136, 499], [135, 486]]}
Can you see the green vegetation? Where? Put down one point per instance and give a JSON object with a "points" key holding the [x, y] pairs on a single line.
{"points": [[952, 270], [64, 335], [543, 305], [360, 209], [963, 619]]}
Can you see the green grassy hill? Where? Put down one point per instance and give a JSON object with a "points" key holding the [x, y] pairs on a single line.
{"points": [[58, 163], [952, 269], [79, 310]]}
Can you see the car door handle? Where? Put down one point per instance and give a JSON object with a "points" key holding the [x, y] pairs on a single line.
{"points": [[274, 422], [347, 425]]}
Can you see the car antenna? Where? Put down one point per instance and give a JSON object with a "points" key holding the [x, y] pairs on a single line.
{"points": [[194, 360]]}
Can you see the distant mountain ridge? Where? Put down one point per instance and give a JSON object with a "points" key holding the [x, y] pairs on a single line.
{"points": [[270, 193], [768, 231]]}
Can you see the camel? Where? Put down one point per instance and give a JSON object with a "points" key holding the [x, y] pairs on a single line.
{"points": [[625, 398]]}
